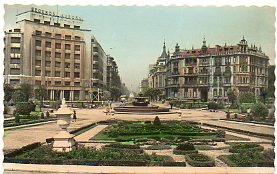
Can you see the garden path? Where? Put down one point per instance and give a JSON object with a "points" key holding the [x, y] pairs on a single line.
{"points": [[86, 136]]}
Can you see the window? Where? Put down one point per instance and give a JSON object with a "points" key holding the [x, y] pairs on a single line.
{"points": [[15, 61], [57, 73], [58, 83], [57, 64], [57, 55], [14, 81], [76, 83], [14, 71], [36, 20], [15, 50], [47, 22], [48, 44], [38, 52], [67, 74], [17, 30], [76, 27], [67, 65], [47, 34], [76, 75], [66, 26], [58, 36], [48, 63], [15, 39], [67, 83], [77, 65], [47, 54], [37, 82], [57, 24], [67, 37], [38, 33], [77, 47], [77, 56], [58, 45], [67, 46], [38, 63], [77, 38], [48, 74], [95, 49], [38, 73], [67, 55], [38, 43]]}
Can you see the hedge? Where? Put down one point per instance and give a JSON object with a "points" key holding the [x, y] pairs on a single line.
{"points": [[241, 147], [23, 149], [199, 160]]}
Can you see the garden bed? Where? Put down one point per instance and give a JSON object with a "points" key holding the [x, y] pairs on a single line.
{"points": [[240, 147], [89, 156], [250, 159], [199, 160]]}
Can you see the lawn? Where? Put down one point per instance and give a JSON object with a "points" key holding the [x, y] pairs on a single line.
{"points": [[167, 131]]}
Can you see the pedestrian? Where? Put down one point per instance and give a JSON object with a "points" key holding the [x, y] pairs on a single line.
{"points": [[171, 104], [74, 116]]}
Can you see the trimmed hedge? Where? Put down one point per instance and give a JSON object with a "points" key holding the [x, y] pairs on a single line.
{"points": [[241, 147], [23, 149], [184, 152], [199, 160]]}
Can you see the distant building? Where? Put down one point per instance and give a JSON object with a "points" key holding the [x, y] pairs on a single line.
{"points": [[208, 73], [143, 85], [157, 73], [55, 51]]}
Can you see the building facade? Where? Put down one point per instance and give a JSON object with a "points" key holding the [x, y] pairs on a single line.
{"points": [[157, 73], [54, 51], [208, 73]]}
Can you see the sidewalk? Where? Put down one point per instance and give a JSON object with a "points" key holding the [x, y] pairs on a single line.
{"points": [[134, 170], [86, 136]]}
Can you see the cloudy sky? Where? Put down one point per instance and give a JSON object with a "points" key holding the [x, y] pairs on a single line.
{"points": [[134, 35]]}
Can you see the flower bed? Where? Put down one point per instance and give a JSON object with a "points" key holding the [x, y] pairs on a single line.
{"points": [[240, 147], [199, 160], [250, 159], [89, 156], [184, 149], [158, 147]]}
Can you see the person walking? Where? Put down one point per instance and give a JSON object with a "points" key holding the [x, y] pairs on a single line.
{"points": [[74, 116]]}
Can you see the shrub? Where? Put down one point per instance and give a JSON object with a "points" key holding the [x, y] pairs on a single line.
{"points": [[185, 146], [54, 104], [17, 118], [23, 108], [199, 160], [157, 122], [240, 147], [247, 98], [6, 109], [259, 110], [42, 115], [124, 146], [212, 105]]}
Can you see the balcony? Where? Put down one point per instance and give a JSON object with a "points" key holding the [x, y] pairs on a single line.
{"points": [[16, 45], [16, 66], [15, 55]]}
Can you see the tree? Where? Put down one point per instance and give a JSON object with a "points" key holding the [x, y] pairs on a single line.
{"points": [[232, 96], [271, 80], [40, 93], [247, 98], [115, 92], [8, 92], [23, 94], [152, 93]]}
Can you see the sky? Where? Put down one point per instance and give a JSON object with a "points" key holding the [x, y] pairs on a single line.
{"points": [[134, 35]]}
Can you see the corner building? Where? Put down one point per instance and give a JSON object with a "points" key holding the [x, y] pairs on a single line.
{"points": [[55, 51], [208, 73]]}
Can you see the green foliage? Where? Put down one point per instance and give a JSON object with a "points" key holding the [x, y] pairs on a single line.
{"points": [[152, 93], [23, 94], [241, 147], [157, 122], [185, 146], [40, 93], [245, 106], [199, 160], [232, 95], [8, 92], [271, 80], [25, 108], [115, 92], [54, 104], [17, 117], [247, 98], [214, 105], [259, 111]]}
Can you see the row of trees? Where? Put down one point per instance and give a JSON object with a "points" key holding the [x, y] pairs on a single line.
{"points": [[152, 93]]}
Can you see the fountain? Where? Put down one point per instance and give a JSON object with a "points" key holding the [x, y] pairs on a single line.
{"points": [[141, 105], [64, 141]]}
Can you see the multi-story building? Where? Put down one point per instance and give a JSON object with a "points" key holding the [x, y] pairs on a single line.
{"points": [[99, 65], [144, 84], [55, 51], [208, 73], [157, 73], [112, 71]]}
